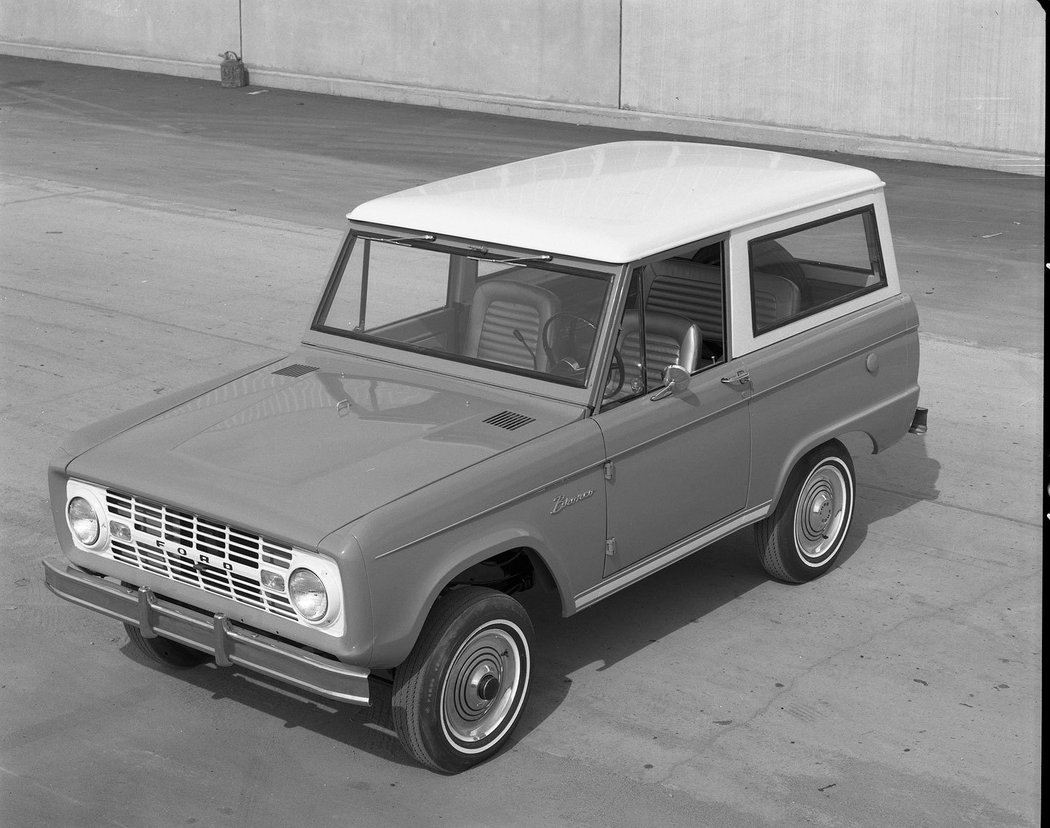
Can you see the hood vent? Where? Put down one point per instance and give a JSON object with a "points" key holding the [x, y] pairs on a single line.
{"points": [[294, 370], [509, 420]]}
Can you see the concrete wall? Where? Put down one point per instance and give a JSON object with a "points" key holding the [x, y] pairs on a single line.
{"points": [[148, 34], [954, 81], [962, 72], [550, 50]]}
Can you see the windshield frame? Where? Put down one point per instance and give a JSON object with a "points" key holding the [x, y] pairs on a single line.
{"points": [[465, 367]]}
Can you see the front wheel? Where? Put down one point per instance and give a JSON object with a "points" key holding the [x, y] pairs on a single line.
{"points": [[461, 691], [801, 538]]}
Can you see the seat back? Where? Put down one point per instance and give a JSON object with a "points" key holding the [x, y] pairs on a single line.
{"points": [[776, 299], [689, 289], [501, 308], [669, 338]]}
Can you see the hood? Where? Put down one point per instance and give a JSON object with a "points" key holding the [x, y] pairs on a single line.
{"points": [[297, 449]]}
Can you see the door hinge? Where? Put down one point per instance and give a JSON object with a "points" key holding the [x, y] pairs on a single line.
{"points": [[608, 471], [610, 547]]}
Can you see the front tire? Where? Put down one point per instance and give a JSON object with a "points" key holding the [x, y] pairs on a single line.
{"points": [[800, 540], [460, 693]]}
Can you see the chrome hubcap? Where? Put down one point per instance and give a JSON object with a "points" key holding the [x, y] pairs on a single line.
{"points": [[482, 685], [821, 512]]}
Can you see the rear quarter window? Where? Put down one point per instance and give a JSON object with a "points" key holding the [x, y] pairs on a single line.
{"points": [[806, 269]]}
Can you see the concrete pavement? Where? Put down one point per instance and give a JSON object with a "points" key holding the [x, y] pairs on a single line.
{"points": [[155, 231]]}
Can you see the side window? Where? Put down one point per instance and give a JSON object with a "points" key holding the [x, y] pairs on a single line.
{"points": [[676, 307], [813, 267]]}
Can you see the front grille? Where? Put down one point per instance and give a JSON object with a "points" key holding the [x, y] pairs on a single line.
{"points": [[203, 553]]}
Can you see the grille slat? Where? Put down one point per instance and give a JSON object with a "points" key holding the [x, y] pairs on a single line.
{"points": [[187, 537]]}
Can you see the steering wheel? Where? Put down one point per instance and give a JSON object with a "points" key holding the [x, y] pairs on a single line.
{"points": [[619, 371], [567, 366]]}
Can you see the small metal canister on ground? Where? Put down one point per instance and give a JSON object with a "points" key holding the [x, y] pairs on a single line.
{"points": [[232, 70]]}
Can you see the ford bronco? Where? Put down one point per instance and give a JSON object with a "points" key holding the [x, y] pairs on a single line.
{"points": [[567, 372]]}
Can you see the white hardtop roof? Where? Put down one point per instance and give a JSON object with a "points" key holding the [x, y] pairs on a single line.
{"points": [[618, 202]]}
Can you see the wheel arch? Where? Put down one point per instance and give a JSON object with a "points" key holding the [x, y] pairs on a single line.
{"points": [[844, 441], [515, 569], [543, 567], [473, 556]]}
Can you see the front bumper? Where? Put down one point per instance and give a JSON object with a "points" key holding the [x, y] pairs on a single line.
{"points": [[229, 643]]}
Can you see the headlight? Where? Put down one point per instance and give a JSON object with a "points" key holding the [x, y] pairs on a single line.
{"points": [[308, 594], [83, 521]]}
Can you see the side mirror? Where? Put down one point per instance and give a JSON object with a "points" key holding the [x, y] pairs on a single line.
{"points": [[676, 380]]}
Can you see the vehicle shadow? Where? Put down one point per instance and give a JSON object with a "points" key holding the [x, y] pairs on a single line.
{"points": [[367, 729], [897, 479], [631, 620]]}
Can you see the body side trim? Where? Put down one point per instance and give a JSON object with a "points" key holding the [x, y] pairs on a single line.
{"points": [[657, 561]]}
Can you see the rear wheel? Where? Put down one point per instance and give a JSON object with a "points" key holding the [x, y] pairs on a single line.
{"points": [[164, 650], [461, 691], [801, 538]]}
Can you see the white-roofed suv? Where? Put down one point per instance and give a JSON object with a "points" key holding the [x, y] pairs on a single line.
{"points": [[566, 372]]}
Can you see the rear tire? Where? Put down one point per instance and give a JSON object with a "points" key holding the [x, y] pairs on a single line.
{"points": [[801, 539], [164, 650], [460, 693]]}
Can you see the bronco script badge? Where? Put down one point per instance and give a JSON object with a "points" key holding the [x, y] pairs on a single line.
{"points": [[565, 502]]}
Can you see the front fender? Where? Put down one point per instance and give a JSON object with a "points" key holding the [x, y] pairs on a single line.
{"points": [[416, 546]]}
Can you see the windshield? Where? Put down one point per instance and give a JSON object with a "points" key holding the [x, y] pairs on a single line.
{"points": [[522, 313]]}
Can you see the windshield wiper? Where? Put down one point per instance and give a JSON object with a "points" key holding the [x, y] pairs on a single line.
{"points": [[428, 237], [511, 260]]}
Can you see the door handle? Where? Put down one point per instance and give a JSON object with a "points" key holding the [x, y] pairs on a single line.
{"points": [[739, 378]]}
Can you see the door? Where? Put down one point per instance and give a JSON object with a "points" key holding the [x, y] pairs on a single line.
{"points": [[677, 465]]}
